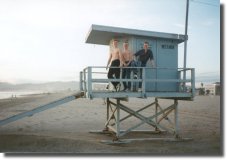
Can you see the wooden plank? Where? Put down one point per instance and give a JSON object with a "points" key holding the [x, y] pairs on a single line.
{"points": [[41, 108]]}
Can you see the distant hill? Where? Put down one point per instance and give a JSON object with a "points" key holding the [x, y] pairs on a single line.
{"points": [[45, 87]]}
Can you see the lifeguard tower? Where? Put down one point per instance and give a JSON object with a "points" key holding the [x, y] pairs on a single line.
{"points": [[164, 81]]}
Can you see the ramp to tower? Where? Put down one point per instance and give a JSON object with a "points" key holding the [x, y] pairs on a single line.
{"points": [[42, 108]]}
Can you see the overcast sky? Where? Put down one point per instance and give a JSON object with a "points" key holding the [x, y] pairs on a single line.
{"points": [[44, 40]]}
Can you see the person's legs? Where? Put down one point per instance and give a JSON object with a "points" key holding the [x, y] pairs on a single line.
{"points": [[117, 74], [140, 76], [141, 73], [114, 71], [128, 74], [110, 73], [124, 75]]}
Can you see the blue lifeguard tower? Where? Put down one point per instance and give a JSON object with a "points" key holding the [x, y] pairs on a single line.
{"points": [[164, 81]]}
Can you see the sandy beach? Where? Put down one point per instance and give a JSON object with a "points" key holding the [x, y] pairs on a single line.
{"points": [[65, 129]]}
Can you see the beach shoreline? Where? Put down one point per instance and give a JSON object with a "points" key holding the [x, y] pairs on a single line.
{"points": [[27, 93]]}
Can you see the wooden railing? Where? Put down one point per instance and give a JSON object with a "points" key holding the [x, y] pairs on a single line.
{"points": [[98, 75]]}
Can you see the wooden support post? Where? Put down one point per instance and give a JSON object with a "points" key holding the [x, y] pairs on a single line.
{"points": [[107, 113], [118, 118], [107, 108], [156, 111], [176, 119], [113, 112]]}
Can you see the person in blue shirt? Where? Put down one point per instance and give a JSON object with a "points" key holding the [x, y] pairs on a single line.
{"points": [[143, 56]]}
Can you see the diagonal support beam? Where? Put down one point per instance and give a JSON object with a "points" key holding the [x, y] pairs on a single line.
{"points": [[111, 117], [146, 120], [137, 111], [139, 116], [165, 116]]}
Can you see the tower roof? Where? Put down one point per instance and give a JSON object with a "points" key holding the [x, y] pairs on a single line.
{"points": [[99, 34]]}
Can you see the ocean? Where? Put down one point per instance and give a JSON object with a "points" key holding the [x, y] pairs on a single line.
{"points": [[11, 94]]}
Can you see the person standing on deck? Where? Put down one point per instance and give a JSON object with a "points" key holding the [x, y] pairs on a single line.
{"points": [[143, 56], [126, 59], [114, 61]]}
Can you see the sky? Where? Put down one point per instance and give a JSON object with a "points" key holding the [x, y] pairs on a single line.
{"points": [[44, 40]]}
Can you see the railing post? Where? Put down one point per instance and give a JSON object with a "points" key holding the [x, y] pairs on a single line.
{"points": [[85, 83], [81, 81], [193, 81], [143, 80], [89, 82], [184, 79]]}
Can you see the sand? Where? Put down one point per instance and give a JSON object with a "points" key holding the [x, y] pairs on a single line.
{"points": [[65, 129]]}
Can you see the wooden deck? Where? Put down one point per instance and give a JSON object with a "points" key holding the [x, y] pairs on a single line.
{"points": [[123, 94]]}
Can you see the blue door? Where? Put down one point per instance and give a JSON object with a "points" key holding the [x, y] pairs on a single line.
{"points": [[167, 61]]}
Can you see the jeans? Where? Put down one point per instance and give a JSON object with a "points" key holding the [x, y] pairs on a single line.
{"points": [[114, 72], [126, 72], [141, 74]]}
